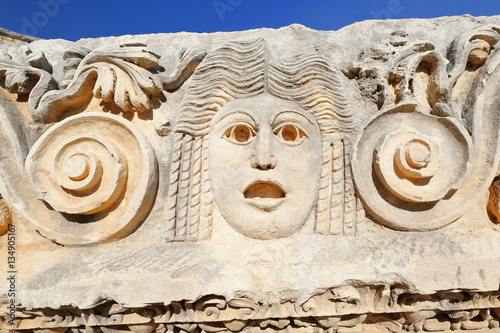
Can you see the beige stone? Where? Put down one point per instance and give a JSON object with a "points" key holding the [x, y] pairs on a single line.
{"points": [[5, 217], [283, 180]]}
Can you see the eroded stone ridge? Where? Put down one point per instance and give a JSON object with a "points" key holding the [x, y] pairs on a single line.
{"points": [[269, 180]]}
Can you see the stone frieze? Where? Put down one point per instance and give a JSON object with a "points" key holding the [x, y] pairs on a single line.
{"points": [[269, 180]]}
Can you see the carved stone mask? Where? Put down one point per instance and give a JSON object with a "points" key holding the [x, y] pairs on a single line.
{"points": [[264, 162]]}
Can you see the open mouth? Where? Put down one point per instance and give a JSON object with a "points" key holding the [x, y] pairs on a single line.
{"points": [[264, 195]]}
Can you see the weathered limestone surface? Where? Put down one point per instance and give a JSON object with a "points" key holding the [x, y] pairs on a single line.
{"points": [[279, 180]]}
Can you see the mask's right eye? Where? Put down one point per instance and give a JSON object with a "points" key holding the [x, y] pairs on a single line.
{"points": [[240, 133]]}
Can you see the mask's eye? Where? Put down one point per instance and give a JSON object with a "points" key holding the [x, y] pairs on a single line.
{"points": [[290, 134], [240, 133]]}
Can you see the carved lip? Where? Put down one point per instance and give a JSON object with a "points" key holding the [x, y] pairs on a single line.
{"points": [[264, 194]]}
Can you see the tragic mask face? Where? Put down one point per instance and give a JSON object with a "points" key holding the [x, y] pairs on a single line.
{"points": [[264, 160]]}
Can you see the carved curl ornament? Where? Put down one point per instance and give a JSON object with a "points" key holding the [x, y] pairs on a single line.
{"points": [[96, 165], [422, 162]]}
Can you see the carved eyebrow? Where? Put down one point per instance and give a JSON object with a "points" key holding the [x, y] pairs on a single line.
{"points": [[229, 113], [291, 111]]}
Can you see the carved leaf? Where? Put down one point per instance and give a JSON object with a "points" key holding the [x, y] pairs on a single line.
{"points": [[123, 75], [22, 68]]}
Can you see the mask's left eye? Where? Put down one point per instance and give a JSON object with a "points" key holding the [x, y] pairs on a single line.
{"points": [[240, 133], [290, 134]]}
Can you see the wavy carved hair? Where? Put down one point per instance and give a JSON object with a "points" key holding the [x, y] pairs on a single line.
{"points": [[242, 70]]}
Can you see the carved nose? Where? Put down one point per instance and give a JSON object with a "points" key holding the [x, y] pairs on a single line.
{"points": [[264, 157], [264, 165]]}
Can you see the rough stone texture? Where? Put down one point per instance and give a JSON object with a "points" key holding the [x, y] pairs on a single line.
{"points": [[266, 180], [7, 36]]}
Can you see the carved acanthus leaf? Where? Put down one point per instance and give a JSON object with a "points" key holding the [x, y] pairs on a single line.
{"points": [[120, 72], [22, 68], [122, 75], [25, 71], [126, 76]]}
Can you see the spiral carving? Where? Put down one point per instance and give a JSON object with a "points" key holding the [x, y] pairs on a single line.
{"points": [[94, 167], [407, 161], [78, 170]]}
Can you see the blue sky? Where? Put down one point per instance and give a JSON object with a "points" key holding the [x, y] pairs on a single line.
{"points": [[75, 19]]}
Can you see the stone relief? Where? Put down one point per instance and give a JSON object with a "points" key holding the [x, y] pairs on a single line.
{"points": [[266, 129], [428, 150], [359, 309], [428, 158], [99, 164], [284, 180], [86, 176], [120, 75]]}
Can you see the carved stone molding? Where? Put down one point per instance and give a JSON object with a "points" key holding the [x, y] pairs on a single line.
{"points": [[360, 308]]}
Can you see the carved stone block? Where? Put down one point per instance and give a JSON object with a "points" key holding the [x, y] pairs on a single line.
{"points": [[283, 180]]}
